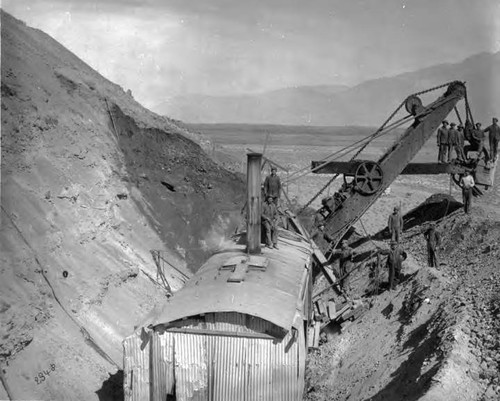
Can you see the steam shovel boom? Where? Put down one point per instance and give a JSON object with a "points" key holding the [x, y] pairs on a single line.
{"points": [[371, 178]]}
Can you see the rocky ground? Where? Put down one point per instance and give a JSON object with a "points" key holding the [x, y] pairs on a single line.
{"points": [[437, 336]]}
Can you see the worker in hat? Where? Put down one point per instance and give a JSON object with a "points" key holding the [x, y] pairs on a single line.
{"points": [[467, 183], [272, 186], [442, 142], [493, 132], [395, 224], [322, 239], [477, 139], [269, 219], [345, 255], [454, 142], [459, 149], [395, 257], [433, 240], [395, 264]]}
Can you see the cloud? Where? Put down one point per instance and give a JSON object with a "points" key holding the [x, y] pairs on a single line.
{"points": [[163, 48]]}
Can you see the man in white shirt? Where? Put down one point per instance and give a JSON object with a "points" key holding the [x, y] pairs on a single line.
{"points": [[467, 183]]}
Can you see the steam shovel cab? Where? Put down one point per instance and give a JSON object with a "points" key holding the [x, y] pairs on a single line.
{"points": [[236, 331]]}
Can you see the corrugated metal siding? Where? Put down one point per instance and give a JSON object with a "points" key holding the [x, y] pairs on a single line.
{"points": [[221, 368], [242, 369], [301, 362], [162, 366], [216, 368], [136, 384], [284, 370], [229, 368], [191, 367], [260, 365]]}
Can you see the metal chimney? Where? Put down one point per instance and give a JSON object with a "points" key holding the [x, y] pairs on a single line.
{"points": [[254, 202]]}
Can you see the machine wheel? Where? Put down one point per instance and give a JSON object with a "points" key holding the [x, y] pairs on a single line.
{"points": [[368, 178], [413, 105]]}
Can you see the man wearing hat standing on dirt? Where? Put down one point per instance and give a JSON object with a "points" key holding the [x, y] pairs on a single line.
{"points": [[395, 224], [494, 137], [269, 222], [467, 183], [346, 253], [272, 186], [442, 142], [433, 239], [394, 263]]}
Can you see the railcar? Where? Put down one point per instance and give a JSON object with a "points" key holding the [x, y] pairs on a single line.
{"points": [[236, 331]]}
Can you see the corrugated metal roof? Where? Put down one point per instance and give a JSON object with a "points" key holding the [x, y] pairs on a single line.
{"points": [[272, 293]]}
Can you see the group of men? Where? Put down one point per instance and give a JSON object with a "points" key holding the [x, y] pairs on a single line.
{"points": [[395, 225], [451, 138], [395, 255]]}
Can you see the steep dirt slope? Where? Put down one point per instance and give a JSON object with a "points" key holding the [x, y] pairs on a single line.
{"points": [[437, 336], [84, 199]]}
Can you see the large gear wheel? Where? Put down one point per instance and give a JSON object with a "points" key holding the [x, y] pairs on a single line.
{"points": [[368, 178]]}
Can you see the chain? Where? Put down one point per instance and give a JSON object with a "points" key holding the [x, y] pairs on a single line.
{"points": [[369, 140], [317, 194]]}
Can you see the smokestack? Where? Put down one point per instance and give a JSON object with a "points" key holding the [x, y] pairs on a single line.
{"points": [[254, 202]]}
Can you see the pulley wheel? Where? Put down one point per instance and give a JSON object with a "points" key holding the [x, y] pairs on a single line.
{"points": [[413, 105], [368, 178]]}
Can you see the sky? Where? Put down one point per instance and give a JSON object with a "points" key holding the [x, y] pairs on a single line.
{"points": [[160, 49]]}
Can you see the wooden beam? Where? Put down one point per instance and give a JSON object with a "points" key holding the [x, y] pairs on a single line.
{"points": [[222, 333], [349, 168]]}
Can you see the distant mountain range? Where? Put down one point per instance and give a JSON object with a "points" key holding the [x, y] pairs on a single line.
{"points": [[368, 103]]}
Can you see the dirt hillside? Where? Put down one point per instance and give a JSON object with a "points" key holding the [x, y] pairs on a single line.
{"points": [[437, 336], [91, 183]]}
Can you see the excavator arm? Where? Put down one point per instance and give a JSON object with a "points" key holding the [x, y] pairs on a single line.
{"points": [[371, 178]]}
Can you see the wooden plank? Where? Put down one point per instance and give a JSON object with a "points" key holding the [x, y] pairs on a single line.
{"points": [[321, 308], [318, 256], [238, 273], [221, 333], [317, 329], [341, 311], [331, 309], [310, 336]]}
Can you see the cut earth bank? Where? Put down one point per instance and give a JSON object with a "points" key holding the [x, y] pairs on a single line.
{"points": [[91, 183], [437, 336]]}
